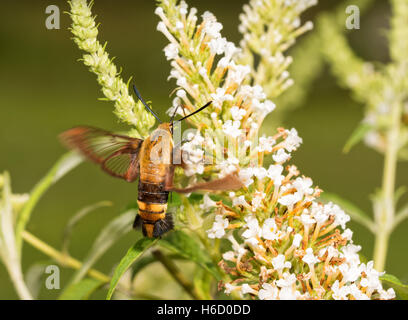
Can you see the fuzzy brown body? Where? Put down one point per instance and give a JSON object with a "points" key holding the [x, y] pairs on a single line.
{"points": [[155, 174]]}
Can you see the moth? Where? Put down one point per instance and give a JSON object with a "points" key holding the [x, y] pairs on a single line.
{"points": [[149, 160]]}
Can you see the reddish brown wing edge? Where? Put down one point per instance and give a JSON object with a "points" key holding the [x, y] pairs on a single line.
{"points": [[228, 183], [80, 139]]}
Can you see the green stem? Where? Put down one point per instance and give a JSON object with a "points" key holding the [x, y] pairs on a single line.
{"points": [[61, 258], [385, 217], [176, 273]]}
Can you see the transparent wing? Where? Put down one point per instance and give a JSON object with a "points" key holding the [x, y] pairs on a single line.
{"points": [[118, 155]]}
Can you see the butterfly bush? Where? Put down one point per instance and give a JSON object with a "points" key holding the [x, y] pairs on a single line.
{"points": [[283, 242], [85, 33], [382, 88]]}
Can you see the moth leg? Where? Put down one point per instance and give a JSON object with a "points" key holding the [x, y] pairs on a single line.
{"points": [[163, 225]]}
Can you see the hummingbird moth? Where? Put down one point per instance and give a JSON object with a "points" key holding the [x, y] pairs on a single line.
{"points": [[132, 158]]}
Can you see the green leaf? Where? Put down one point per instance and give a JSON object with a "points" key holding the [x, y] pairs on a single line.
{"points": [[400, 288], [181, 243], [131, 256], [65, 164], [113, 231], [81, 290], [351, 209], [357, 135], [73, 221]]}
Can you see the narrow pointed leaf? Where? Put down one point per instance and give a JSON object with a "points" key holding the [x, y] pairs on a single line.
{"points": [[357, 135], [131, 256], [74, 220], [65, 164], [109, 235], [400, 288]]}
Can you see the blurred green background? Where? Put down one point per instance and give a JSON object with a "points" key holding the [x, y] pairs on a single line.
{"points": [[44, 90]]}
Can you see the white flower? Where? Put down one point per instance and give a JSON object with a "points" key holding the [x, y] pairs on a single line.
{"points": [[217, 45], [387, 295], [238, 248], [208, 203], [231, 128], [287, 292], [339, 293], [229, 288], [281, 156], [266, 144], [237, 113], [347, 234], [218, 228], [213, 28], [253, 230], [303, 185], [257, 200], [246, 175], [279, 263], [219, 97], [290, 199], [228, 166], [371, 281], [340, 217], [293, 141], [297, 240], [247, 289], [307, 220], [310, 258], [270, 229], [319, 214], [356, 293], [239, 201], [260, 173], [268, 292], [350, 272], [263, 108], [229, 256], [238, 72], [275, 174], [231, 50]]}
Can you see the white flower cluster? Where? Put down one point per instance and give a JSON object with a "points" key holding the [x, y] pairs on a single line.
{"points": [[290, 245], [293, 244], [204, 68], [269, 28]]}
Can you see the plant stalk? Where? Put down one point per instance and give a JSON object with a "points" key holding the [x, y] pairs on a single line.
{"points": [[61, 258], [385, 218]]}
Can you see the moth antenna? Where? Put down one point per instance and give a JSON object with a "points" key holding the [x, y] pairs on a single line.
{"points": [[145, 104], [197, 111]]}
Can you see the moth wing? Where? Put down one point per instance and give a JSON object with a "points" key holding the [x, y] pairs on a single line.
{"points": [[117, 155], [229, 182]]}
